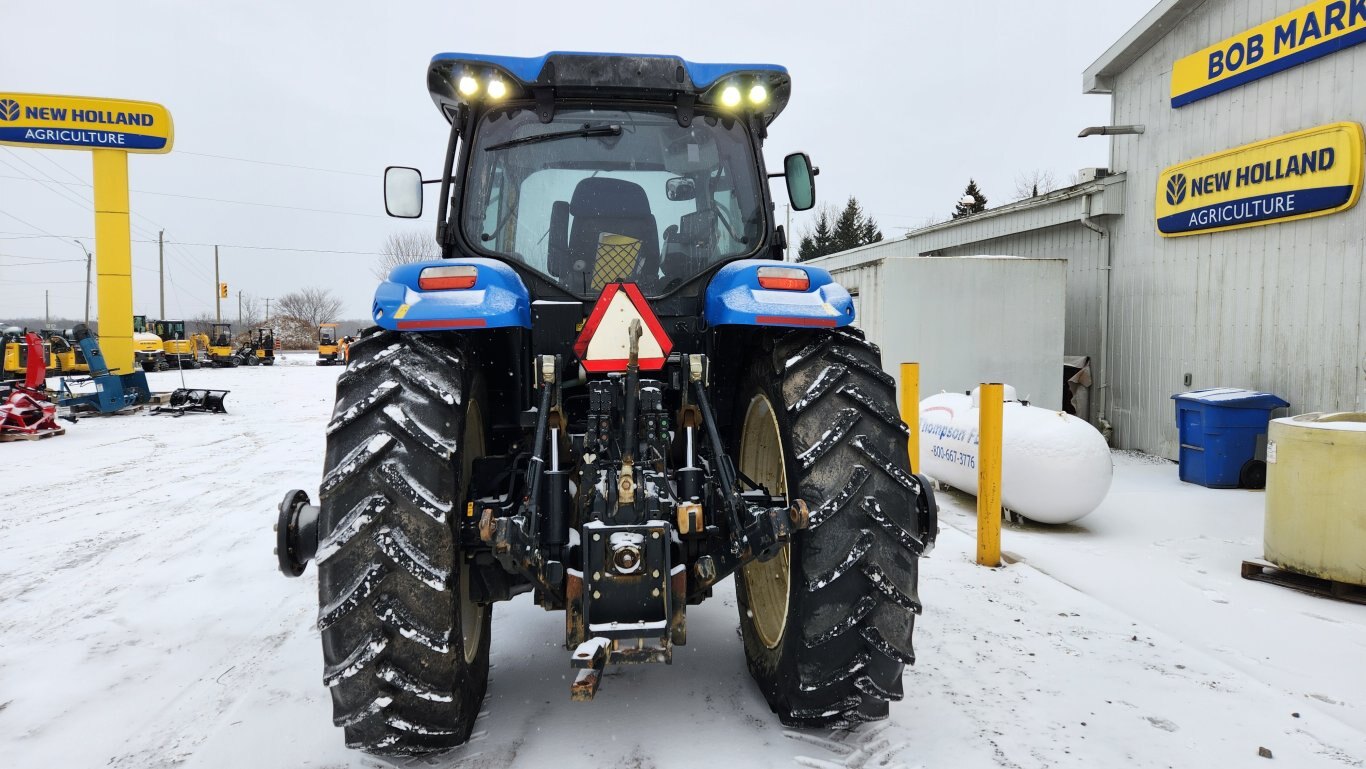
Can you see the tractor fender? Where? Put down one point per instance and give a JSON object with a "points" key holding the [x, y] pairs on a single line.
{"points": [[498, 299], [735, 298]]}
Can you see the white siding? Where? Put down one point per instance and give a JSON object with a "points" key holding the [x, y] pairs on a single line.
{"points": [[966, 321], [1084, 251]]}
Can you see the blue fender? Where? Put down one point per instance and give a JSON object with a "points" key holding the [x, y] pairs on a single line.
{"points": [[498, 299], [735, 298]]}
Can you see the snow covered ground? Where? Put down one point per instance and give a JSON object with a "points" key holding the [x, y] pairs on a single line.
{"points": [[143, 624]]}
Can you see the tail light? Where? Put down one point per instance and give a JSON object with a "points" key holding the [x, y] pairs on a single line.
{"points": [[446, 278], [784, 279]]}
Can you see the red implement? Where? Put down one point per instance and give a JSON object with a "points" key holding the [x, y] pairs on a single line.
{"points": [[27, 414]]}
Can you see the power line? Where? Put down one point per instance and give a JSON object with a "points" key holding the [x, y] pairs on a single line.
{"points": [[207, 199], [278, 165], [81, 200], [220, 245]]}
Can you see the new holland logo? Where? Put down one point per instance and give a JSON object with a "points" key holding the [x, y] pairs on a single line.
{"points": [[1176, 189], [9, 109]]}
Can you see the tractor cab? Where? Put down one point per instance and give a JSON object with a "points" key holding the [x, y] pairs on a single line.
{"points": [[576, 183]]}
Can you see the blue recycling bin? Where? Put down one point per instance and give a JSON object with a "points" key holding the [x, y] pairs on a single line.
{"points": [[1218, 431]]}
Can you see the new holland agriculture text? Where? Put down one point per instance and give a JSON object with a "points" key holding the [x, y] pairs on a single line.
{"points": [[1315, 30], [1295, 176], [35, 120]]}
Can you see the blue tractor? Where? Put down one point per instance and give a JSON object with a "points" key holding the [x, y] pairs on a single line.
{"points": [[612, 393]]}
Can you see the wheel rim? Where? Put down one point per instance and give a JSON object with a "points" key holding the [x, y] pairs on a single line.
{"points": [[767, 584], [471, 613]]}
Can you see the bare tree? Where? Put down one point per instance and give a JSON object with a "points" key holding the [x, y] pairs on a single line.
{"points": [[311, 305], [300, 313], [405, 247], [1034, 183]]}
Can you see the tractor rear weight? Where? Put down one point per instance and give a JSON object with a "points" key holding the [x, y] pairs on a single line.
{"points": [[296, 533]]}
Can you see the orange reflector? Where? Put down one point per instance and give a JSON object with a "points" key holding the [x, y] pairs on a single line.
{"points": [[444, 278], [784, 279]]}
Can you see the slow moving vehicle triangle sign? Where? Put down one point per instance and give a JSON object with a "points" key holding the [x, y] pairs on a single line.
{"points": [[605, 342]]}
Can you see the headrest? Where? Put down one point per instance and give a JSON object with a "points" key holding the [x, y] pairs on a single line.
{"points": [[599, 197]]}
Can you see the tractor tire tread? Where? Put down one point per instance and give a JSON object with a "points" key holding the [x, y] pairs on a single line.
{"points": [[387, 559], [858, 569]]}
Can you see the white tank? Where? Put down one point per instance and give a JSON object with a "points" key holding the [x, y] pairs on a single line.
{"points": [[1055, 468]]}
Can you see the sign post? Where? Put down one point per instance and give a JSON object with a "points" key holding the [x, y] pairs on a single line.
{"points": [[110, 129]]}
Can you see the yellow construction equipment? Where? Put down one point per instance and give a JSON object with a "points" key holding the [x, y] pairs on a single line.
{"points": [[179, 347], [65, 355], [259, 349], [329, 347], [16, 352], [148, 351], [217, 345]]}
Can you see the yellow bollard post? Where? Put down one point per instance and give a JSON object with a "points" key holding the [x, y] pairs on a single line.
{"points": [[114, 259], [910, 410], [989, 408]]}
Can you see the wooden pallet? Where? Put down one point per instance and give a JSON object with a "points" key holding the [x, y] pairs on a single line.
{"points": [[9, 437], [1263, 571]]}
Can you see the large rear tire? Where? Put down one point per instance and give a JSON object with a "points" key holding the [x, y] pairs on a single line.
{"points": [[406, 650], [827, 624]]}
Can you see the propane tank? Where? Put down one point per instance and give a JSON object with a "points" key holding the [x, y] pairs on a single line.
{"points": [[1055, 467]]}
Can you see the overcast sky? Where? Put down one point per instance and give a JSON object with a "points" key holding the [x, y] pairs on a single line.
{"points": [[899, 103]]}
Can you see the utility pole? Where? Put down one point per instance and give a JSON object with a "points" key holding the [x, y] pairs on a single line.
{"points": [[217, 291], [161, 270], [87, 281], [787, 234], [47, 314], [267, 320], [239, 308]]}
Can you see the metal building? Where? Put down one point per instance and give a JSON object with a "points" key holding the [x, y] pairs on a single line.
{"points": [[1224, 245]]}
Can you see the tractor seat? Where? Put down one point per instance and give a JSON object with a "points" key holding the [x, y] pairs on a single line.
{"points": [[613, 236]]}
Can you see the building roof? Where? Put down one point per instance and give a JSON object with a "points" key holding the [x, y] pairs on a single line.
{"points": [[1098, 198], [1099, 77]]}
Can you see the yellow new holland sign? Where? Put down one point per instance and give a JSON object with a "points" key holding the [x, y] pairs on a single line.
{"points": [[77, 122], [1295, 176], [1315, 30]]}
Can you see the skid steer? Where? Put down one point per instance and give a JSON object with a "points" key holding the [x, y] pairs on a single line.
{"points": [[610, 393]]}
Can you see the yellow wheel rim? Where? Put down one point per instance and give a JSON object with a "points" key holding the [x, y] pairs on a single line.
{"points": [[471, 613], [767, 585]]}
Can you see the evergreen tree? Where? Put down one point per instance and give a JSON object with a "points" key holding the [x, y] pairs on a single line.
{"points": [[818, 242], [849, 226], [850, 229], [978, 205], [869, 233]]}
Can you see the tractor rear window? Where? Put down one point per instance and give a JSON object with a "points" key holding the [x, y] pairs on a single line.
{"points": [[596, 196]]}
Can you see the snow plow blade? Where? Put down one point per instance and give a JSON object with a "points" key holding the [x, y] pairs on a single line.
{"points": [[185, 400]]}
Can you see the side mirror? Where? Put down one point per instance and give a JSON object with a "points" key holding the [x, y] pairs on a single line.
{"points": [[801, 181], [403, 192], [680, 188]]}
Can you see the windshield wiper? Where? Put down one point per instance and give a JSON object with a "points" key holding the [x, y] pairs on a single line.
{"points": [[605, 129]]}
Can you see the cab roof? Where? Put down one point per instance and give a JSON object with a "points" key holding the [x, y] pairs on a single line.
{"points": [[575, 74]]}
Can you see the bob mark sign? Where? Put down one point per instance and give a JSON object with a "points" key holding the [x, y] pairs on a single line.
{"points": [[1315, 30], [1295, 176], [77, 122]]}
